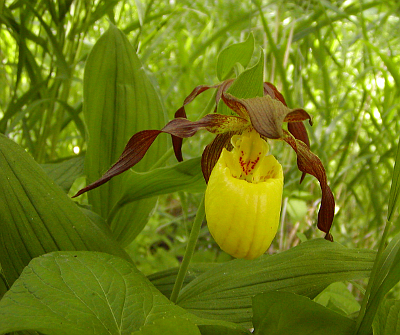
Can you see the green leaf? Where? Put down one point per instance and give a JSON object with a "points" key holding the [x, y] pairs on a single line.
{"points": [[339, 299], [86, 293], [248, 84], [387, 276], [37, 217], [236, 53], [225, 291], [281, 313], [66, 172], [184, 176], [387, 321], [3, 285], [164, 280], [220, 330], [141, 10], [395, 187], [119, 100], [170, 326]]}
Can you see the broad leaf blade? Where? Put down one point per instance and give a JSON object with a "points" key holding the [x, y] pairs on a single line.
{"points": [[119, 100], [225, 292], [170, 326], [183, 176], [103, 294], [338, 298], [66, 172], [235, 53], [164, 280], [280, 313], [387, 321], [37, 217]]}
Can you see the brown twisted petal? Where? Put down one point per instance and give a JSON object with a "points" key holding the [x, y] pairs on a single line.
{"points": [[272, 91], [308, 162], [180, 127], [177, 141], [222, 87], [198, 90], [212, 152], [266, 114], [298, 130], [298, 115]]}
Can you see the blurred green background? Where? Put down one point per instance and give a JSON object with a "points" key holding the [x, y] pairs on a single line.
{"points": [[339, 60]]}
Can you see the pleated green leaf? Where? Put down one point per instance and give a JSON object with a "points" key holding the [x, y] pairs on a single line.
{"points": [[119, 100], [387, 321], [66, 172], [164, 280], [101, 293], [236, 53], [282, 313], [338, 298], [183, 176], [225, 291], [37, 217]]}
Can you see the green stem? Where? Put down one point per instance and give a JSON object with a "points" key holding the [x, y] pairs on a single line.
{"points": [[209, 108], [194, 234], [162, 159], [372, 277]]}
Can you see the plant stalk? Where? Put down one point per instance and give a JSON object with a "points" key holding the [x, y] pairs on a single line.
{"points": [[194, 234]]}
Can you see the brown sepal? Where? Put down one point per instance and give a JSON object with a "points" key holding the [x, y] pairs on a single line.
{"points": [[212, 152], [266, 113], [177, 141], [298, 130], [181, 113], [308, 162], [224, 86], [198, 90], [132, 154], [298, 115], [180, 127], [272, 91]]}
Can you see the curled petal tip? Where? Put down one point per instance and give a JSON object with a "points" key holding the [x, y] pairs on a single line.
{"points": [[303, 175]]}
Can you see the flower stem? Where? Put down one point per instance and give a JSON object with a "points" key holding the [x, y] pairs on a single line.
{"points": [[194, 234], [209, 108], [372, 277]]}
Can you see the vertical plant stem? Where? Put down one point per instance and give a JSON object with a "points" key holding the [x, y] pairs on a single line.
{"points": [[372, 277], [194, 234]]}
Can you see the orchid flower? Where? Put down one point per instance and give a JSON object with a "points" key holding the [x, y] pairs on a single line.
{"points": [[244, 191]]}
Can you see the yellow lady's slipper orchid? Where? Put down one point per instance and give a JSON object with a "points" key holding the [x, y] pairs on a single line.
{"points": [[244, 192], [243, 197]]}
